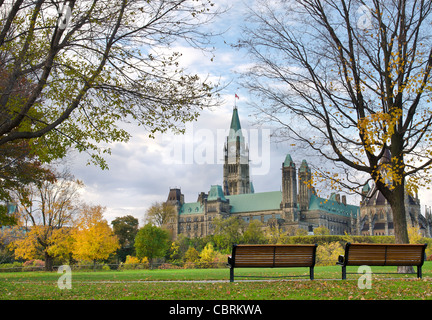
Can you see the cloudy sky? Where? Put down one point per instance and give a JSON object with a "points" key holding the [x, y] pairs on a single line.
{"points": [[143, 170]]}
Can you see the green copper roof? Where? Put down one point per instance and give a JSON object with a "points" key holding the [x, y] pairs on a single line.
{"points": [[304, 167], [332, 206], [235, 128], [251, 202], [235, 121], [288, 161], [215, 193], [366, 187], [263, 201], [192, 208]]}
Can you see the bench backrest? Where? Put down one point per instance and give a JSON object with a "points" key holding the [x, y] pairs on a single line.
{"points": [[274, 255], [357, 254]]}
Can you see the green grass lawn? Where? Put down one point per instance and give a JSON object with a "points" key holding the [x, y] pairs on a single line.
{"points": [[210, 284]]}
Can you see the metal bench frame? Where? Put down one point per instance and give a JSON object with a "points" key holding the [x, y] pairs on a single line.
{"points": [[272, 256]]}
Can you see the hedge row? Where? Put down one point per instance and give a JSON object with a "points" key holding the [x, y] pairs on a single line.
{"points": [[343, 239]]}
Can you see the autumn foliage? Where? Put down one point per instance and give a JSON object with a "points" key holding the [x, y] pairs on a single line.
{"points": [[90, 240], [93, 238]]}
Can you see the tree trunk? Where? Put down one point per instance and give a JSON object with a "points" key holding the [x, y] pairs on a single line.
{"points": [[397, 204], [49, 262]]}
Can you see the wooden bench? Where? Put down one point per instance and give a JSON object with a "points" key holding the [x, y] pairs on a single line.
{"points": [[272, 256], [358, 254]]}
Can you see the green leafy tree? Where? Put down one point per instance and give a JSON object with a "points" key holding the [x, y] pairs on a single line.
{"points": [[7, 218], [86, 66], [192, 255], [151, 242], [19, 168], [125, 228], [275, 235], [254, 233], [228, 231]]}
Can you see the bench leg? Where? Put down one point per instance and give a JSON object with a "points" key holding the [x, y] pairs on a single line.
{"points": [[231, 274], [419, 272], [311, 273], [343, 272]]}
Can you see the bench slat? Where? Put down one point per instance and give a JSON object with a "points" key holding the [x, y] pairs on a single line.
{"points": [[386, 254], [357, 254], [270, 256], [274, 255]]}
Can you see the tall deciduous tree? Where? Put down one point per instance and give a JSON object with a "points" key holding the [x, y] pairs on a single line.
{"points": [[151, 242], [350, 79], [160, 213], [125, 228], [45, 208], [94, 240], [228, 231], [87, 65]]}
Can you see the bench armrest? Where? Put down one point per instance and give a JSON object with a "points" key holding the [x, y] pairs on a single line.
{"points": [[230, 262], [341, 260]]}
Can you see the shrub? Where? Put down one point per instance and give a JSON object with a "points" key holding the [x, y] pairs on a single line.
{"points": [[192, 255], [132, 263], [328, 253], [339, 238], [207, 256], [33, 265], [168, 266], [11, 267], [189, 265]]}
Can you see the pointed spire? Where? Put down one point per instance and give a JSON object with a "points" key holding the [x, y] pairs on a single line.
{"points": [[235, 121], [304, 166], [288, 161], [235, 128]]}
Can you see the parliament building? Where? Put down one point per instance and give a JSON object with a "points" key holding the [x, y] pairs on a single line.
{"points": [[295, 206]]}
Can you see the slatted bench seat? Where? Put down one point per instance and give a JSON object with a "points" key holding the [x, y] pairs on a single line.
{"points": [[272, 256], [357, 254]]}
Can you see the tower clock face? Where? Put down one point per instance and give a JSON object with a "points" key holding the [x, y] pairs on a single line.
{"points": [[232, 150]]}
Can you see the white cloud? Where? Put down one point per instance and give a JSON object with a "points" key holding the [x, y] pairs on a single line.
{"points": [[138, 174]]}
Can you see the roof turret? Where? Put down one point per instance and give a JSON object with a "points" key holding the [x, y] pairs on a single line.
{"points": [[288, 161]]}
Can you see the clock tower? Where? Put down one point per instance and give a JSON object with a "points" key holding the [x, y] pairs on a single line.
{"points": [[236, 167]]}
